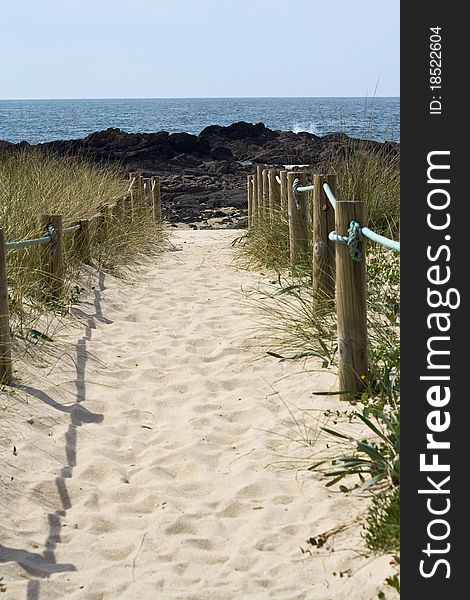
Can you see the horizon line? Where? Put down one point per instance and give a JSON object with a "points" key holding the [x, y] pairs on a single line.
{"points": [[192, 98]]}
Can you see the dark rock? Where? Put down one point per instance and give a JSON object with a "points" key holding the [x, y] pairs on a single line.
{"points": [[182, 142], [223, 168], [203, 148], [186, 160], [203, 175], [159, 138], [237, 131], [221, 153]]}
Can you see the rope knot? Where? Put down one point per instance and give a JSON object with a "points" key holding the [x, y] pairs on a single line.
{"points": [[354, 237], [51, 232], [352, 240]]}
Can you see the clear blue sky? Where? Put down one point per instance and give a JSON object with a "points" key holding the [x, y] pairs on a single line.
{"points": [[198, 48]]}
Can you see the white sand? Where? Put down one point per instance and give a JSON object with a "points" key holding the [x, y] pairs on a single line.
{"points": [[147, 468]]}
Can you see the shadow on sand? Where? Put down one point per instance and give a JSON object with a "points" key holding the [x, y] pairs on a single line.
{"points": [[43, 564]]}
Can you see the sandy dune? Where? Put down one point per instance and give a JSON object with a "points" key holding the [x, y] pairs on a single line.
{"points": [[144, 463]]}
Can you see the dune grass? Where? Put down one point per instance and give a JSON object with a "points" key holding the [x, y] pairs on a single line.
{"points": [[372, 176], [383, 523], [296, 327], [266, 244], [34, 183]]}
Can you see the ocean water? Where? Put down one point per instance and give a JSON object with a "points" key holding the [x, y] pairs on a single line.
{"points": [[46, 120]]}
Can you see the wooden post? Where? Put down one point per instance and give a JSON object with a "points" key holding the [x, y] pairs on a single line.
{"points": [[274, 194], [132, 196], [82, 241], [249, 187], [147, 201], [259, 177], [351, 303], [134, 175], [6, 370], [298, 226], [135, 192], [156, 199], [265, 182], [283, 177], [54, 251], [125, 205], [104, 220], [151, 196], [144, 183], [323, 248], [255, 210], [128, 204], [141, 189]]}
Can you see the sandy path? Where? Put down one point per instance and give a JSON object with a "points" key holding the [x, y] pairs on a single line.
{"points": [[144, 472]]}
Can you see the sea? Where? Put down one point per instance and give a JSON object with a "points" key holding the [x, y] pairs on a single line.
{"points": [[37, 121]]}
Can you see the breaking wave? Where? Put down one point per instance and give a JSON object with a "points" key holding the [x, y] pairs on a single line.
{"points": [[309, 128]]}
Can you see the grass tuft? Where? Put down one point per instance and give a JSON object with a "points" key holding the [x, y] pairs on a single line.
{"points": [[382, 528], [363, 445], [371, 175], [34, 183]]}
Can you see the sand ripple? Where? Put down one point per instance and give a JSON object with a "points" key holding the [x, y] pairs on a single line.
{"points": [[145, 474]]}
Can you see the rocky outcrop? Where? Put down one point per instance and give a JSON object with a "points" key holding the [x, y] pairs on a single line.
{"points": [[205, 175]]}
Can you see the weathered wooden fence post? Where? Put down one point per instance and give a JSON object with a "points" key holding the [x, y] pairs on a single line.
{"points": [[255, 213], [121, 210], [351, 303], [141, 189], [259, 179], [254, 208], [274, 194], [133, 191], [298, 226], [249, 187], [323, 248], [147, 192], [156, 199], [6, 370], [283, 191], [82, 241], [54, 255], [265, 181], [104, 219]]}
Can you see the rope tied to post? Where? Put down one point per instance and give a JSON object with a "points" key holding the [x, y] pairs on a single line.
{"points": [[295, 185], [353, 239], [52, 233]]}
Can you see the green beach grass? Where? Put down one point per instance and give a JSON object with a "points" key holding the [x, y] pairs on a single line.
{"points": [[297, 328], [34, 183]]}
